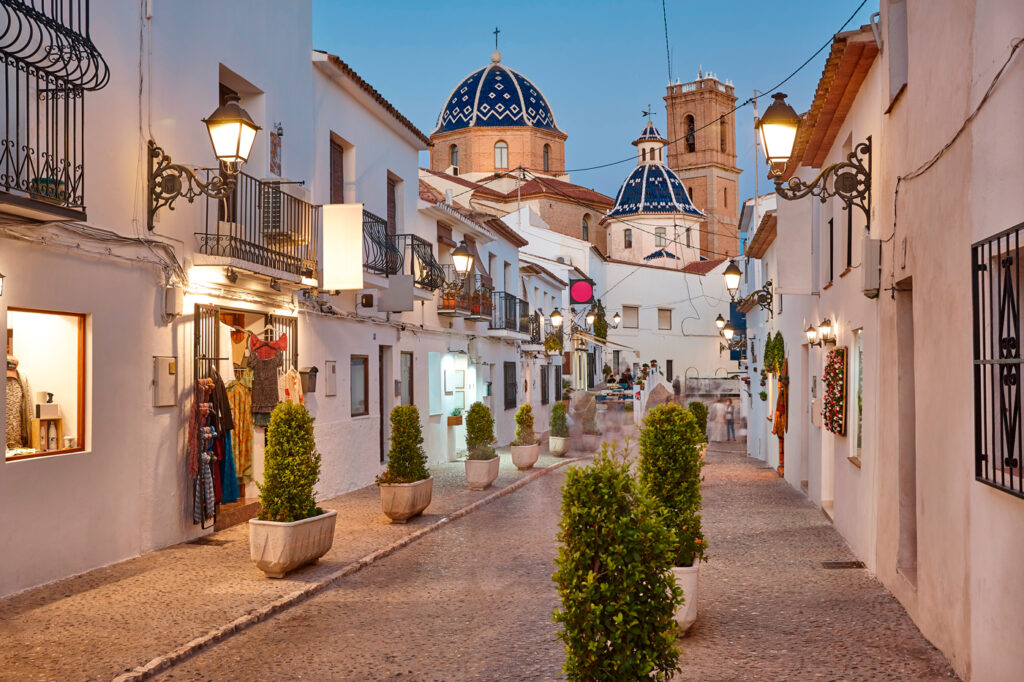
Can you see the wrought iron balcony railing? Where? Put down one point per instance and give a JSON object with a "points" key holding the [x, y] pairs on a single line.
{"points": [[510, 313], [420, 261], [481, 299], [456, 293], [381, 253], [536, 328], [262, 225], [49, 62]]}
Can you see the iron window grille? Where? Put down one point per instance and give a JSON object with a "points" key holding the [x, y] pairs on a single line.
{"points": [[510, 313], [510, 385], [544, 388], [998, 427], [536, 329], [381, 253], [420, 262]]}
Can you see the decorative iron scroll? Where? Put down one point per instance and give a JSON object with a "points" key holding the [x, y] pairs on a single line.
{"points": [[380, 252]]}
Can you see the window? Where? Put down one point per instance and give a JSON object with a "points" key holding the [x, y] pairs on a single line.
{"points": [[627, 236], [725, 197], [831, 250], [544, 388], [558, 382], [453, 156], [408, 390], [668, 370], [615, 361], [659, 236], [547, 157], [725, 132], [630, 317], [896, 46], [392, 206], [501, 155], [586, 227], [691, 134], [643, 155], [510, 385], [665, 318], [337, 173], [359, 376], [47, 350], [857, 377], [849, 239]]}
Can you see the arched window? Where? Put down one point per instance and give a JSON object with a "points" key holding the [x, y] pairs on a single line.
{"points": [[659, 154], [547, 157], [643, 155], [691, 194], [725, 197], [627, 238], [724, 128], [659, 236], [501, 155], [691, 134], [586, 226], [453, 155]]}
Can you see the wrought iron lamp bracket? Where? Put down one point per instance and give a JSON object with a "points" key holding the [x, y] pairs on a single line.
{"points": [[763, 297], [168, 181], [849, 180], [736, 343]]}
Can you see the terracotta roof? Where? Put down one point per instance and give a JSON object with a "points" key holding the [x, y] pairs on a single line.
{"points": [[372, 92], [702, 267], [847, 65], [428, 193], [764, 236], [539, 185], [499, 226], [469, 184]]}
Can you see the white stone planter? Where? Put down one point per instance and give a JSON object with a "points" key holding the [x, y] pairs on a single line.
{"points": [[591, 442], [402, 501], [525, 456], [480, 473], [277, 548], [686, 578], [558, 446]]}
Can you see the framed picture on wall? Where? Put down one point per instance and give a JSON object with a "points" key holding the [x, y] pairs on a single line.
{"points": [[460, 379], [449, 382], [460, 399]]}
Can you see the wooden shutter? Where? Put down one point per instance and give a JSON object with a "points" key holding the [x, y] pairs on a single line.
{"points": [[337, 173], [392, 208]]}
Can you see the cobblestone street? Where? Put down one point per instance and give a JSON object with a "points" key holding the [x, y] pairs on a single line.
{"points": [[473, 602]]}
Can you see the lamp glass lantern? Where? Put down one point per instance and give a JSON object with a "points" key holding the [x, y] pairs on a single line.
{"points": [[732, 276], [778, 129], [591, 316], [728, 331], [720, 322], [232, 132], [616, 318], [463, 259], [825, 330], [556, 318], [812, 335]]}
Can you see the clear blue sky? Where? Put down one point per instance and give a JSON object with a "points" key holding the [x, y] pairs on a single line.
{"points": [[599, 63]]}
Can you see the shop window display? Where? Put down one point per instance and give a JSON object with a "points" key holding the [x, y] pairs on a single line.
{"points": [[45, 388]]}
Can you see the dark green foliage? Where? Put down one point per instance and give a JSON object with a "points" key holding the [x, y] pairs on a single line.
{"points": [[559, 425], [479, 432], [407, 463], [700, 412], [670, 469], [618, 596], [774, 353], [600, 323], [524, 426], [291, 466]]}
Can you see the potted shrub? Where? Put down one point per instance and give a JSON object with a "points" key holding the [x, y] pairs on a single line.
{"points": [[525, 448], [591, 433], [483, 462], [618, 596], [406, 485], [700, 412], [558, 443], [291, 531], [763, 395], [670, 467], [553, 344], [455, 418]]}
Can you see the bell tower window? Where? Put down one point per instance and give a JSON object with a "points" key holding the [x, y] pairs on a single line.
{"points": [[501, 155], [691, 134], [643, 156], [659, 236], [453, 155], [586, 227], [547, 158]]}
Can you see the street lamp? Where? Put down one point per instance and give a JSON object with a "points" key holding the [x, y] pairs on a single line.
{"points": [[590, 318], [732, 276], [720, 322], [556, 318], [462, 257], [232, 132], [728, 331], [616, 318], [826, 332], [812, 335], [778, 129]]}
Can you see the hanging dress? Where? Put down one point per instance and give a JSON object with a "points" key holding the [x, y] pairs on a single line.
{"points": [[269, 358], [239, 394]]}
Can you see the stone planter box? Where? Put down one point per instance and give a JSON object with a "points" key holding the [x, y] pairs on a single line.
{"points": [[525, 456], [455, 421], [277, 548], [591, 442], [402, 501], [480, 473], [558, 446], [686, 578]]}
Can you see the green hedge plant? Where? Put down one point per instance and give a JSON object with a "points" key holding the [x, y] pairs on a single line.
{"points": [[524, 426], [291, 466], [618, 596], [407, 462], [479, 432], [670, 467], [700, 412], [559, 424]]}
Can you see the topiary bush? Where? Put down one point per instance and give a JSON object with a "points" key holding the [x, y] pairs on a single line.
{"points": [[407, 462], [524, 426], [479, 432], [559, 424], [291, 466], [700, 412], [670, 467], [618, 596]]}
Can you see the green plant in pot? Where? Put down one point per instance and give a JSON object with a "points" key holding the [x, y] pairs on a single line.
{"points": [[618, 597], [291, 530], [482, 463], [406, 485], [558, 442], [525, 449], [670, 464], [455, 418], [553, 344]]}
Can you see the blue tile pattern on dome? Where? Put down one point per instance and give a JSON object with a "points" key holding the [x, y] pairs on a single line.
{"points": [[495, 96], [653, 188], [650, 133]]}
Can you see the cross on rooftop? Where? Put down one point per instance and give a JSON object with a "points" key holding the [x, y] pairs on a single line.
{"points": [[496, 32]]}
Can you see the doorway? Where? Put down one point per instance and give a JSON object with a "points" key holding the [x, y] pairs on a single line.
{"points": [[384, 397], [906, 555]]}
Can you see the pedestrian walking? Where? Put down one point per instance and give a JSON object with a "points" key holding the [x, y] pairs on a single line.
{"points": [[730, 421]]}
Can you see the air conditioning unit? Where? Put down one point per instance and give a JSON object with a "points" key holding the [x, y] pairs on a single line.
{"points": [[871, 258]]}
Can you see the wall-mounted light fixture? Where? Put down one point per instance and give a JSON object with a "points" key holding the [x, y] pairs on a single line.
{"points": [[616, 318], [720, 322], [462, 257], [732, 276], [825, 334], [590, 317], [231, 275], [556, 318], [232, 133]]}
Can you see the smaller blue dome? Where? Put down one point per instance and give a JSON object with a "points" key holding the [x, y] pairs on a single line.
{"points": [[653, 188], [650, 134]]}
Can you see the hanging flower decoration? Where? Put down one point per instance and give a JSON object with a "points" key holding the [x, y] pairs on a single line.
{"points": [[833, 410]]}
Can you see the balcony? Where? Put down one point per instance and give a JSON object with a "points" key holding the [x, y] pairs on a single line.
{"points": [[264, 228], [456, 297], [49, 63], [536, 329], [510, 313], [481, 302], [381, 253], [419, 259]]}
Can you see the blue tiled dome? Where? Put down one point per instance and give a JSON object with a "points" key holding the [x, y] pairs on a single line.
{"points": [[495, 96], [653, 188], [650, 134]]}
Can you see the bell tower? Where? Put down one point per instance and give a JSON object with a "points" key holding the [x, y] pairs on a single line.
{"points": [[704, 157]]}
